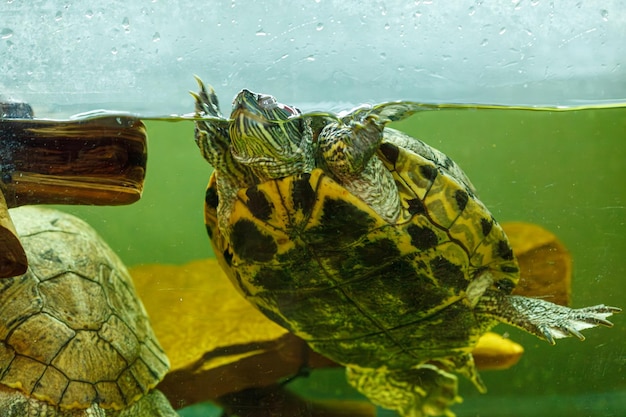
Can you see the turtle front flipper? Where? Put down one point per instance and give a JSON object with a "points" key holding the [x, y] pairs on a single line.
{"points": [[346, 150], [544, 319], [420, 391]]}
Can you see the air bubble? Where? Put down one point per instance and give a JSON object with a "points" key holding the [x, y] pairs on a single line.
{"points": [[58, 16], [156, 37], [114, 51], [89, 14], [261, 32], [320, 26], [387, 26]]}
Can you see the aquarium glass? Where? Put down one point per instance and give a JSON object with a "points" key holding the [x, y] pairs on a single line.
{"points": [[561, 169]]}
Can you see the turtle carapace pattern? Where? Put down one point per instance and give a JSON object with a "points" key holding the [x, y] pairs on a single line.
{"points": [[367, 243]]}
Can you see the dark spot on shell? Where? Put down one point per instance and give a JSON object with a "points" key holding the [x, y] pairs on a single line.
{"points": [[421, 265], [503, 250], [303, 194], [228, 257], [240, 283], [447, 162], [273, 279], [390, 151], [429, 172], [413, 289], [505, 285], [259, 205], [461, 198], [416, 206], [250, 244], [341, 223], [486, 225], [210, 198], [376, 253], [448, 274], [422, 238], [509, 269], [209, 231]]}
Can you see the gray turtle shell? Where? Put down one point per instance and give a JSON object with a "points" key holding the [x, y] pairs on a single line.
{"points": [[73, 333]]}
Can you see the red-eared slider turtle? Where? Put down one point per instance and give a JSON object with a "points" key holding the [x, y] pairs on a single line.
{"points": [[74, 338], [367, 243]]}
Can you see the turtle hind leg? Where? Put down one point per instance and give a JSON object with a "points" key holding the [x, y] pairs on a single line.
{"points": [[420, 391], [463, 364], [546, 320]]}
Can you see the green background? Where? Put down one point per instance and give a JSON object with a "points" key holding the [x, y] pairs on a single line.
{"points": [[565, 171]]}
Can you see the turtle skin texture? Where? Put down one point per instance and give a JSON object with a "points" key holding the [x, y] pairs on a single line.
{"points": [[75, 339], [398, 293]]}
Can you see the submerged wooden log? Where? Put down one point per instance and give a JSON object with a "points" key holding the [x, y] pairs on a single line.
{"points": [[13, 260], [93, 161], [99, 161]]}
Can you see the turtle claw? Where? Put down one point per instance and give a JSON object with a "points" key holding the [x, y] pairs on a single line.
{"points": [[546, 320], [206, 100]]}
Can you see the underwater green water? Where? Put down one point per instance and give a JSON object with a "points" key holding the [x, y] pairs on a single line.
{"points": [[565, 171]]}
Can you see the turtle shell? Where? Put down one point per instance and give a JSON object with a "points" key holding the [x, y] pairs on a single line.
{"points": [[73, 332], [319, 261]]}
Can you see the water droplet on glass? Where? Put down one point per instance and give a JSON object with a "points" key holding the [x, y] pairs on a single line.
{"points": [[114, 51], [604, 14], [6, 33], [310, 58], [126, 25], [58, 16], [417, 14], [484, 42], [383, 55], [387, 26], [89, 14], [502, 30], [319, 26], [471, 10], [261, 32], [156, 37]]}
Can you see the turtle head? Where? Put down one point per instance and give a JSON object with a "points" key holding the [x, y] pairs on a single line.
{"points": [[269, 137]]}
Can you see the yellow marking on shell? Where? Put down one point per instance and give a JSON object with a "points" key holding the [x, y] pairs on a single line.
{"points": [[485, 255], [464, 229], [408, 174], [441, 203]]}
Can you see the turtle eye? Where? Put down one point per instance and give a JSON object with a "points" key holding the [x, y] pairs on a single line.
{"points": [[267, 102]]}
